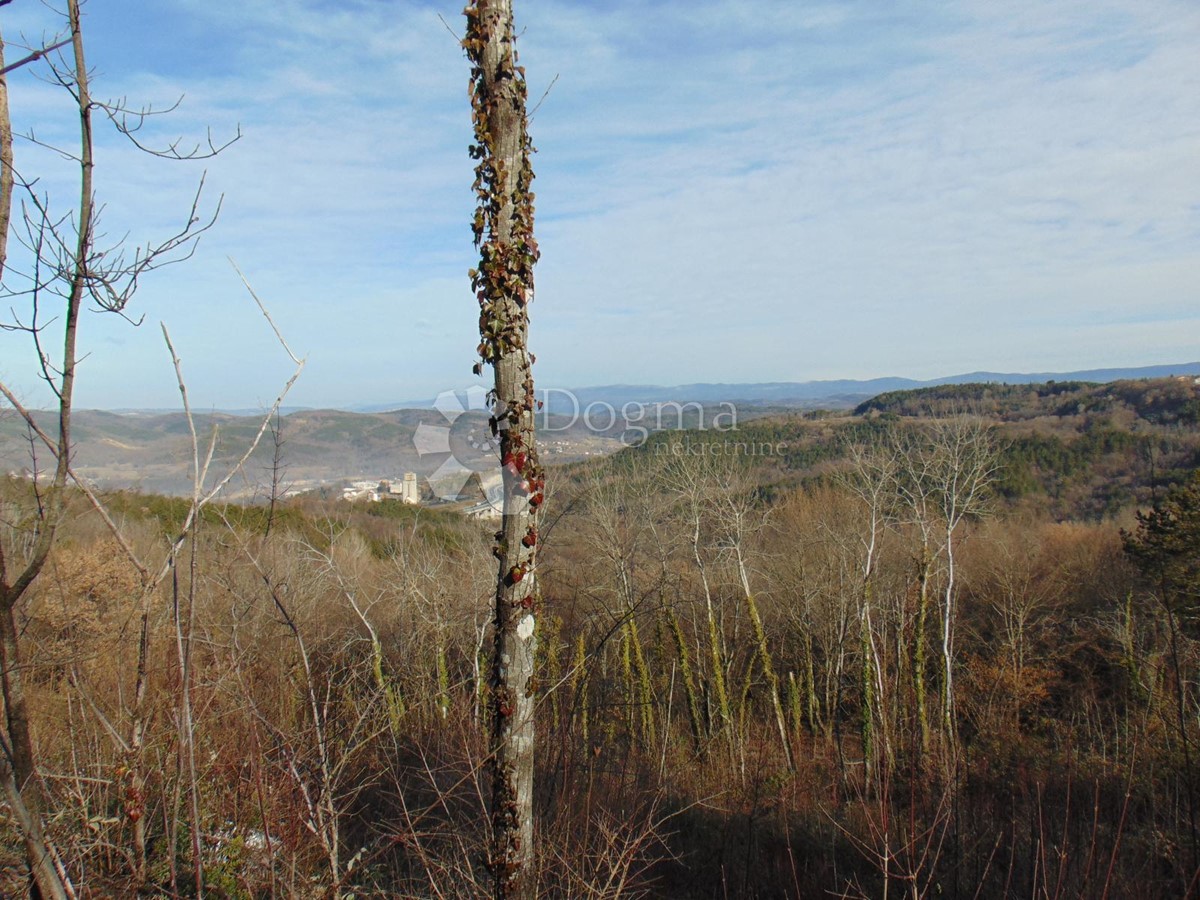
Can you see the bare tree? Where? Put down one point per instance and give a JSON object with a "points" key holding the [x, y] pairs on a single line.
{"points": [[931, 481], [48, 879], [738, 519], [64, 267], [872, 478], [16, 576], [693, 482], [503, 284], [917, 510], [621, 525], [963, 467]]}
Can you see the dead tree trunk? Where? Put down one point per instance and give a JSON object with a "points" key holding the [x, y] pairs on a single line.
{"points": [[503, 285]]}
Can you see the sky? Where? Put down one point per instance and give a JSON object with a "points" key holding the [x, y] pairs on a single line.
{"points": [[726, 191]]}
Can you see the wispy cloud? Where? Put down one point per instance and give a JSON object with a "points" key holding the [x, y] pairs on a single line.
{"points": [[731, 191]]}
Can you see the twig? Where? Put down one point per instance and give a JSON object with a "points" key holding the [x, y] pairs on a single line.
{"points": [[266, 314], [35, 55], [457, 38], [545, 94]]}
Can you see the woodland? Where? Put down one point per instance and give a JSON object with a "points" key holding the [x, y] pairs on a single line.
{"points": [[943, 646], [740, 678]]}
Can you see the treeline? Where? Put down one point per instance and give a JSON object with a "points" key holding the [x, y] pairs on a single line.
{"points": [[1067, 450], [1157, 401]]}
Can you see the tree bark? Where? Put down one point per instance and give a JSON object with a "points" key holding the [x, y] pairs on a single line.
{"points": [[503, 284]]}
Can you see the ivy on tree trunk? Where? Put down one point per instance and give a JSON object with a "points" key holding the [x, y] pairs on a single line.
{"points": [[503, 284]]}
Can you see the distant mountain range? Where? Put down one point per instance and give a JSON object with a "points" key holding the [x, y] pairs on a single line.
{"points": [[840, 393], [151, 450]]}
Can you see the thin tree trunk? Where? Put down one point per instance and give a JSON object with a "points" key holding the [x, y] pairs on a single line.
{"points": [[17, 712], [48, 879], [812, 707], [504, 287], [579, 689], [184, 624], [689, 683], [717, 658], [136, 807], [867, 688], [919, 650], [768, 668], [641, 688], [6, 164], [948, 643], [21, 786]]}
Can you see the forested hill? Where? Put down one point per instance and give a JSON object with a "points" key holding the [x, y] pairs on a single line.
{"points": [[1069, 450], [1158, 401], [1075, 449]]}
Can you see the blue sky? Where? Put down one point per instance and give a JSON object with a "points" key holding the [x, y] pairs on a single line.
{"points": [[727, 191]]}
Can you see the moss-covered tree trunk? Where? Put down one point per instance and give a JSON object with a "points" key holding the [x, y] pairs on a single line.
{"points": [[695, 719], [920, 655]]}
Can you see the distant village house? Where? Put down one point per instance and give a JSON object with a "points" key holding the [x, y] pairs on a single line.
{"points": [[406, 490]]}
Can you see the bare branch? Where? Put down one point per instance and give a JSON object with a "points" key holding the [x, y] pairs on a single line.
{"points": [[81, 483], [457, 38], [542, 99], [35, 55], [129, 121], [266, 314]]}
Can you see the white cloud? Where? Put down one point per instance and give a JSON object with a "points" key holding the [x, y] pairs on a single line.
{"points": [[731, 191]]}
